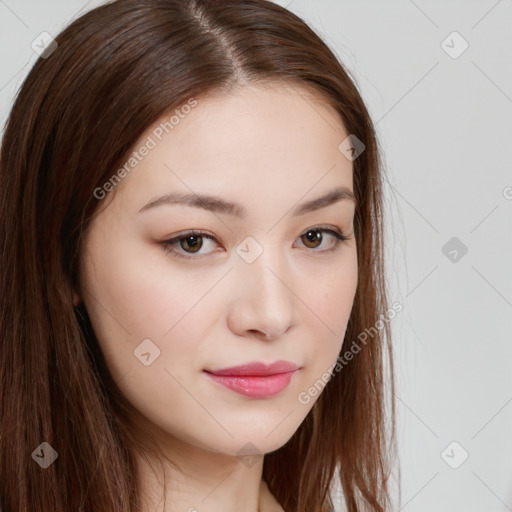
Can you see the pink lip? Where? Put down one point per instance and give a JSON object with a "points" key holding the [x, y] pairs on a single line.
{"points": [[257, 380], [257, 368]]}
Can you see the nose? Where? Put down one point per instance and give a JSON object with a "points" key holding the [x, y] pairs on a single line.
{"points": [[263, 300]]}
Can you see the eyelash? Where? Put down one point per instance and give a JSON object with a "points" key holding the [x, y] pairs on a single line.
{"points": [[168, 244]]}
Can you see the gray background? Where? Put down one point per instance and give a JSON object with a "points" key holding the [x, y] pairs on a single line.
{"points": [[445, 124]]}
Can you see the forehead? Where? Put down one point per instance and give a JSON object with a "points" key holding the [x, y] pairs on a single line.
{"points": [[258, 139]]}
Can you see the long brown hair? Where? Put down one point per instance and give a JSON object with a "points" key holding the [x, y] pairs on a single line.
{"points": [[83, 105]]}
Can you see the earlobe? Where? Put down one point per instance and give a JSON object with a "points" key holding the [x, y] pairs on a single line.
{"points": [[76, 299]]}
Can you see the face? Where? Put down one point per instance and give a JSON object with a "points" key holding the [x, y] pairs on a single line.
{"points": [[266, 280]]}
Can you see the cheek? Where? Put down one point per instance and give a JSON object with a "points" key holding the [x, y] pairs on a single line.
{"points": [[330, 302], [331, 295], [141, 299]]}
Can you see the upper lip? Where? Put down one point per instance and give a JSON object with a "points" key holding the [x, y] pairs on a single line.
{"points": [[257, 368]]}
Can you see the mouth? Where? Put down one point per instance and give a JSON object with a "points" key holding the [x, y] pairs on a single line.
{"points": [[255, 380], [254, 386], [257, 369]]}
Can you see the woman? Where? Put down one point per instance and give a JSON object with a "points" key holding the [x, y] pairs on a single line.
{"points": [[191, 245]]}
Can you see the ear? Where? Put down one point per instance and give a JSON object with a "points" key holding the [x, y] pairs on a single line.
{"points": [[76, 299]]}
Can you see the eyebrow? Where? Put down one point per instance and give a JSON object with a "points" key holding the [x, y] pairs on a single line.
{"points": [[217, 204]]}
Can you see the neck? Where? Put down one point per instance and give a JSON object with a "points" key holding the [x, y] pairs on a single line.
{"points": [[205, 481]]}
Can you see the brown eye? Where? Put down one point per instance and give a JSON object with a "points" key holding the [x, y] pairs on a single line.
{"points": [[191, 243], [188, 245], [313, 237]]}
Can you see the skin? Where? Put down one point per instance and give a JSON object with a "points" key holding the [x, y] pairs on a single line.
{"points": [[269, 148]]}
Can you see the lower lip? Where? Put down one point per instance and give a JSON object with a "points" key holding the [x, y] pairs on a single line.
{"points": [[261, 386]]}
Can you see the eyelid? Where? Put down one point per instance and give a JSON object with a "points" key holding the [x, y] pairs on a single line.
{"points": [[334, 231], [168, 243]]}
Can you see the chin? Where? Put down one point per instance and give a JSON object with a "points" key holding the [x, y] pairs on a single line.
{"points": [[252, 441]]}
